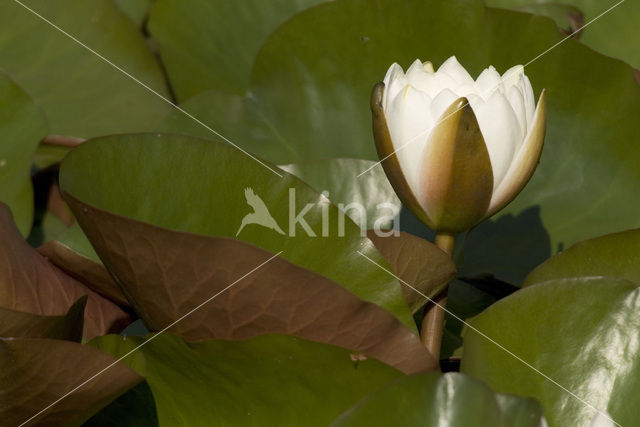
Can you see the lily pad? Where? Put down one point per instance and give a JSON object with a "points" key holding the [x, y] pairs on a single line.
{"points": [[136, 10], [81, 94], [452, 400], [210, 44], [615, 33], [210, 186], [135, 408], [582, 333], [22, 126], [36, 373], [417, 262], [615, 255], [91, 273], [315, 382], [569, 18], [237, 291], [336, 178], [26, 325], [29, 283]]}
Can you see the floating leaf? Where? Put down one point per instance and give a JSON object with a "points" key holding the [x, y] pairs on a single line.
{"points": [[136, 10], [210, 44], [451, 400], [91, 273], [81, 94], [614, 31], [370, 202], [22, 126], [267, 380], [418, 263], [31, 284], [135, 408], [26, 325], [614, 255], [210, 185], [582, 333], [168, 275], [35, 373]]}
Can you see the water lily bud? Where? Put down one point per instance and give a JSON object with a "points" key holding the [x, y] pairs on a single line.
{"points": [[457, 150]]}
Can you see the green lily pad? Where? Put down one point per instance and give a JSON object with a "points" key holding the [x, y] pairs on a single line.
{"points": [[22, 126], [210, 185], [136, 10], [210, 44], [431, 400], [267, 380], [615, 33], [569, 18], [81, 94], [337, 177], [583, 333], [134, 408], [614, 255], [238, 118]]}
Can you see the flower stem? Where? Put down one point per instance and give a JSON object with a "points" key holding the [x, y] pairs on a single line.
{"points": [[433, 321]]}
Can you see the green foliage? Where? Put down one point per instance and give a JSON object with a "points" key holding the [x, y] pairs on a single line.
{"points": [[452, 400], [317, 334], [581, 332]]}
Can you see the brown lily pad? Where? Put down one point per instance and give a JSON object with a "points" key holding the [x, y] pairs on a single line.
{"points": [[86, 270], [29, 283], [35, 373], [166, 274], [417, 262], [19, 324]]}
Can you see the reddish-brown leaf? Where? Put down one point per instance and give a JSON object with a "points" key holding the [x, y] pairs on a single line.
{"points": [[168, 273], [29, 283], [34, 373], [86, 270], [417, 262], [18, 324]]}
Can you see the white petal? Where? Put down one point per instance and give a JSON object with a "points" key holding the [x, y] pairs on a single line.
{"points": [[515, 98], [428, 67], [601, 419], [410, 121], [394, 72], [524, 161], [443, 81], [441, 103], [466, 90], [529, 99], [416, 67], [394, 82], [501, 133], [422, 79], [457, 72], [488, 81], [512, 76]]}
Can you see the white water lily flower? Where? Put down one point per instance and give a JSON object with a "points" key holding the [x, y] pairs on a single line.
{"points": [[457, 150]]}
